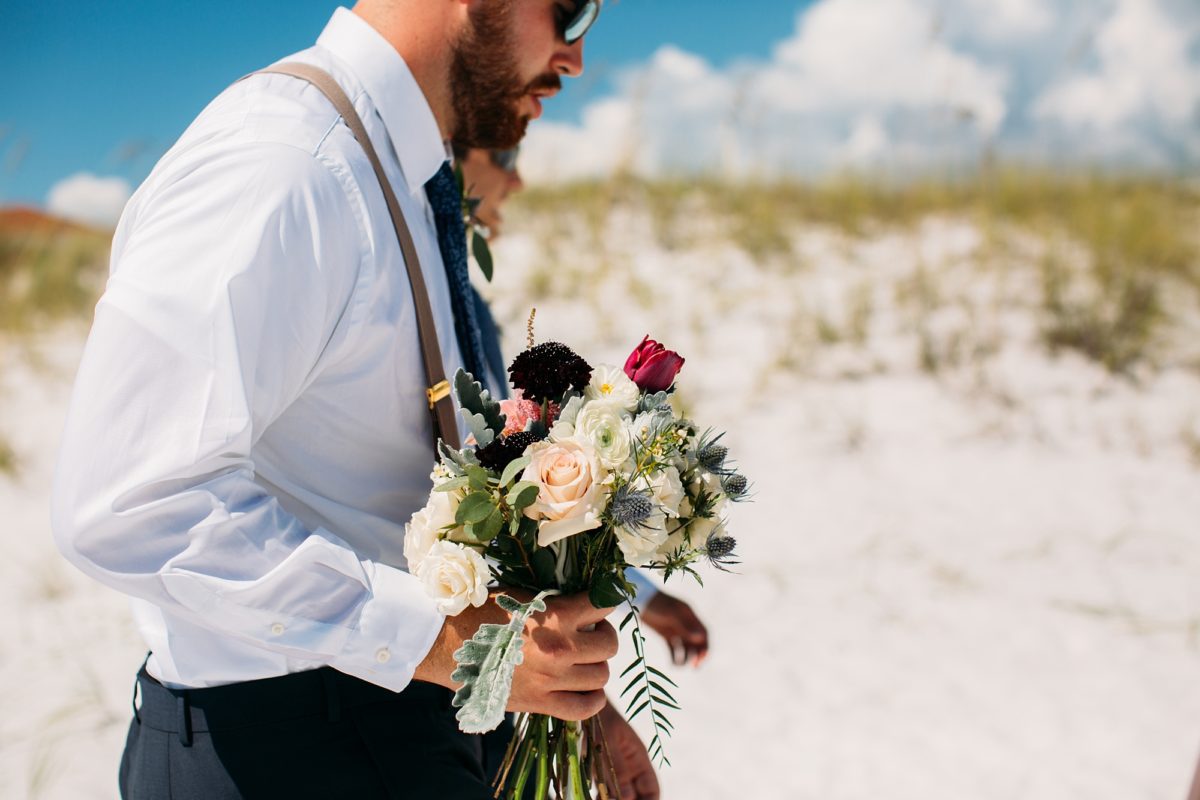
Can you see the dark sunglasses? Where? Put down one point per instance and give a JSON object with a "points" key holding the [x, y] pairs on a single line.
{"points": [[505, 159], [575, 24]]}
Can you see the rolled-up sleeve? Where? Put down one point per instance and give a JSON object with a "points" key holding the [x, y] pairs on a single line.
{"points": [[229, 283]]}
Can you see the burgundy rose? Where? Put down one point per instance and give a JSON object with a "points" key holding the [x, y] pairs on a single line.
{"points": [[653, 367]]}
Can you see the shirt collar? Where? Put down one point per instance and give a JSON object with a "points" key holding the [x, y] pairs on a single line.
{"points": [[397, 97]]}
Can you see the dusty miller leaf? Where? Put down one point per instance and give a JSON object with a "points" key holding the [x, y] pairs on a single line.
{"points": [[475, 400], [486, 663]]}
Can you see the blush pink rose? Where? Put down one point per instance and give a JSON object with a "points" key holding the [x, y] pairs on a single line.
{"points": [[571, 496]]}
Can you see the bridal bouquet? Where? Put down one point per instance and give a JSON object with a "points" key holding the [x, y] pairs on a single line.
{"points": [[587, 472]]}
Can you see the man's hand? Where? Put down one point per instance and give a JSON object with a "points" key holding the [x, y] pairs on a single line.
{"points": [[566, 653], [675, 621], [635, 773]]}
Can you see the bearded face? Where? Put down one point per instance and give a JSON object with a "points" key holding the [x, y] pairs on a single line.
{"points": [[486, 84]]}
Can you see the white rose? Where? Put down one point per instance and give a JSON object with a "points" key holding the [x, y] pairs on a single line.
{"points": [[711, 486], [639, 544], [571, 490], [666, 489], [677, 539], [603, 425], [425, 527], [455, 576], [701, 527], [611, 385]]}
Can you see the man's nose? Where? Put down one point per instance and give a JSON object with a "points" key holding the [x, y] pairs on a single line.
{"points": [[568, 59], [515, 184]]}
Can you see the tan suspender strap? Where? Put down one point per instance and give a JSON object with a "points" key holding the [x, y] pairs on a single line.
{"points": [[437, 392]]}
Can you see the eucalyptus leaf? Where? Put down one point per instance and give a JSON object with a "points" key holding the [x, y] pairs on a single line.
{"points": [[475, 507], [512, 469], [477, 477], [522, 495], [452, 484], [486, 530], [486, 663]]}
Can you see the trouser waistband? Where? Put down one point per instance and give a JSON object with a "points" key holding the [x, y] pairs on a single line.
{"points": [[287, 697]]}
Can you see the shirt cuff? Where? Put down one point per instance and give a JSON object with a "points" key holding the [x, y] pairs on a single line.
{"points": [[645, 589], [396, 628]]}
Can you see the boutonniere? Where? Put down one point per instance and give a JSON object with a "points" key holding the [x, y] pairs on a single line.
{"points": [[477, 232]]}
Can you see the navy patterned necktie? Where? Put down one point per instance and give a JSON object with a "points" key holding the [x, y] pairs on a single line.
{"points": [[446, 202]]}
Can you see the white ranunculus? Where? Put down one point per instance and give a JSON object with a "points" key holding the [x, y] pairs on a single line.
{"points": [[426, 526], [455, 576], [604, 426], [571, 488], [611, 385]]}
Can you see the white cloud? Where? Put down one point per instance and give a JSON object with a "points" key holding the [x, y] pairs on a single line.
{"points": [[1143, 71], [903, 85], [90, 199], [1009, 20]]}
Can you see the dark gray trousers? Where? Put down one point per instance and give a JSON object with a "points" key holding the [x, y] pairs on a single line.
{"points": [[317, 734]]}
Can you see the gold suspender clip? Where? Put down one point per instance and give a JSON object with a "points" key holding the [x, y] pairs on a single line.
{"points": [[437, 392]]}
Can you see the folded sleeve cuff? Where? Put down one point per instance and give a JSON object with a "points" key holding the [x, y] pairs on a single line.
{"points": [[396, 628]]}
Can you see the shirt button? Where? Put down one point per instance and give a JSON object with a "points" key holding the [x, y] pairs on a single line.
{"points": [[383, 656], [277, 629]]}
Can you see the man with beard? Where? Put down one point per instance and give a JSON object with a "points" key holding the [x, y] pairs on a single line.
{"points": [[250, 427]]}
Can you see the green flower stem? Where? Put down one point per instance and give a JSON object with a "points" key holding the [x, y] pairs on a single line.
{"points": [[523, 770], [542, 788], [575, 783]]}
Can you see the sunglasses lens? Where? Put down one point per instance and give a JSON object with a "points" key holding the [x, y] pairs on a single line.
{"points": [[506, 159], [583, 19]]}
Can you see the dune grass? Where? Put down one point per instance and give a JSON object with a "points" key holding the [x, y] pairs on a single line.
{"points": [[49, 272], [1120, 254]]}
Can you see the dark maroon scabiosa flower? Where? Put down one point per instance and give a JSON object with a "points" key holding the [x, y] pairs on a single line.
{"points": [[548, 371], [505, 449]]}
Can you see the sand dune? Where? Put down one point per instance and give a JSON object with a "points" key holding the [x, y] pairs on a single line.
{"points": [[970, 570]]}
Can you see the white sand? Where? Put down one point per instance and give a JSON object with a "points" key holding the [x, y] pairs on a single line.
{"points": [[974, 583]]}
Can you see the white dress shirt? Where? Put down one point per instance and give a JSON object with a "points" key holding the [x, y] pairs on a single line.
{"points": [[249, 431]]}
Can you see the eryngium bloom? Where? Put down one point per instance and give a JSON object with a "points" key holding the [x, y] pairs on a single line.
{"points": [[718, 548], [548, 371], [630, 508], [735, 486], [711, 454]]}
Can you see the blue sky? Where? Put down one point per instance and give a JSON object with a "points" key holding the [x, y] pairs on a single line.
{"points": [[749, 89], [106, 86]]}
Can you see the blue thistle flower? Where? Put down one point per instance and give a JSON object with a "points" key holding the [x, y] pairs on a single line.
{"points": [[718, 549], [630, 508], [711, 454], [735, 486]]}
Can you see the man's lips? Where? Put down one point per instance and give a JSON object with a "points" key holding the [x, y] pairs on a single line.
{"points": [[536, 97]]}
